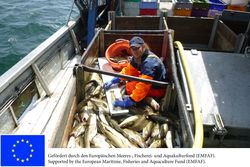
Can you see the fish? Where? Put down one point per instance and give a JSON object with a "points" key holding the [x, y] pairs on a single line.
{"points": [[96, 77], [147, 130], [87, 110], [100, 141], [77, 117], [136, 137], [169, 142], [162, 120], [156, 143], [163, 130], [115, 125], [101, 114], [79, 129], [116, 138], [75, 123], [97, 91], [90, 87], [82, 104], [129, 121], [139, 124], [79, 141], [156, 131], [100, 102], [113, 98], [71, 142], [118, 59], [149, 141], [91, 130], [152, 102]]}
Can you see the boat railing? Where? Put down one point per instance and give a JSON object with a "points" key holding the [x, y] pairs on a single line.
{"points": [[136, 23]]}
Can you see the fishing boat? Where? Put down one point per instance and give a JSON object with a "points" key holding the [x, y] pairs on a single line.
{"points": [[41, 93]]}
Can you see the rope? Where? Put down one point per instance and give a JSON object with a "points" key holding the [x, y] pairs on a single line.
{"points": [[71, 9]]}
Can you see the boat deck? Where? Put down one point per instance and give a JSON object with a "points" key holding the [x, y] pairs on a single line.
{"points": [[222, 84]]}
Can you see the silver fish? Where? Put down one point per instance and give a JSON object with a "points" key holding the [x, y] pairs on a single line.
{"points": [[131, 138], [156, 143], [163, 130], [91, 130], [100, 141], [139, 124], [71, 142], [80, 142], [152, 102], [96, 77], [169, 142], [156, 131], [99, 102], [116, 138], [136, 137], [147, 130], [79, 129], [129, 121]]}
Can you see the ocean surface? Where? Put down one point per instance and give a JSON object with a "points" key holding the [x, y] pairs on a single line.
{"points": [[26, 24]]}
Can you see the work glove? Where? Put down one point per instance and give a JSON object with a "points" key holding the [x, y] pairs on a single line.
{"points": [[126, 102], [108, 84]]}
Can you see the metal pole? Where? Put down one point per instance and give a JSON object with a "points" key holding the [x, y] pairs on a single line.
{"points": [[41, 80]]}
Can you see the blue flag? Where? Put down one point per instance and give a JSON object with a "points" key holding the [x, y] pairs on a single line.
{"points": [[22, 150]]}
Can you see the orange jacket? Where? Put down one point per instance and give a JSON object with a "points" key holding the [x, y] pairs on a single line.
{"points": [[151, 67]]}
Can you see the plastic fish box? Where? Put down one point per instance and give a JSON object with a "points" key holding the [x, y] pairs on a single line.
{"points": [[212, 13], [148, 11], [200, 5], [131, 5], [148, 5], [131, 11], [182, 12], [217, 5], [183, 4], [199, 13]]}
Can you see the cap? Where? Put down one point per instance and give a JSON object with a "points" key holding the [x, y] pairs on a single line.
{"points": [[136, 42]]}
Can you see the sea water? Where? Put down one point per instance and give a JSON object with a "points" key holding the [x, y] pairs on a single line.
{"points": [[26, 24]]}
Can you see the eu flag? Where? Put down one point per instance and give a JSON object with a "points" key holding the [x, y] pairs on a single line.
{"points": [[22, 150]]}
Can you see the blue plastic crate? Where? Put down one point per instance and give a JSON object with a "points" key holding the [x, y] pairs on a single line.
{"points": [[217, 5], [148, 5]]}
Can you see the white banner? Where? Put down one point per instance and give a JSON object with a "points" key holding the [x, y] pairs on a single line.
{"points": [[147, 157]]}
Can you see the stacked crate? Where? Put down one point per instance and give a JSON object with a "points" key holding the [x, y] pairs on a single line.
{"points": [[200, 8], [182, 7], [216, 7], [166, 6], [131, 7], [148, 7]]}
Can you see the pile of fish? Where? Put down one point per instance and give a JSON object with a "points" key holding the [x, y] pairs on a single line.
{"points": [[122, 57], [143, 127]]}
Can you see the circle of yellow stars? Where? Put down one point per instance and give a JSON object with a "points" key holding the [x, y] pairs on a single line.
{"points": [[14, 146]]}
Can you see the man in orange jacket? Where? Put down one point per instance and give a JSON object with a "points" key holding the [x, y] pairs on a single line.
{"points": [[144, 64]]}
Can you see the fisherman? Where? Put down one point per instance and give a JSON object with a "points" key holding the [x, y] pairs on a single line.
{"points": [[144, 64]]}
